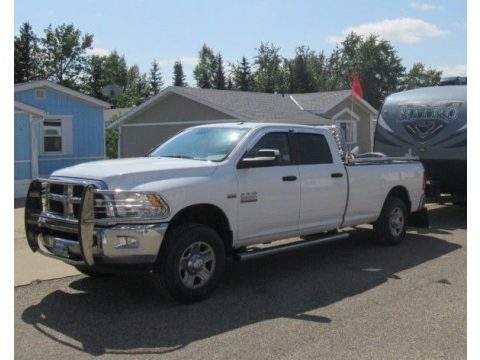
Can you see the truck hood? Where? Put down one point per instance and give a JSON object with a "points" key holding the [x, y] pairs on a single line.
{"points": [[128, 173]]}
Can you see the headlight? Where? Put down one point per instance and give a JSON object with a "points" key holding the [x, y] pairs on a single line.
{"points": [[134, 204]]}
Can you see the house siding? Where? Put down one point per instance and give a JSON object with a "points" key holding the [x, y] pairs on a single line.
{"points": [[136, 138], [174, 108], [87, 128], [22, 149], [364, 137]]}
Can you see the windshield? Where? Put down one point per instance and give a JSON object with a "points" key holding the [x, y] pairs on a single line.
{"points": [[210, 144]]}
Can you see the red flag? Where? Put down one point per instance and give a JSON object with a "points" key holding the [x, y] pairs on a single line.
{"points": [[356, 86]]}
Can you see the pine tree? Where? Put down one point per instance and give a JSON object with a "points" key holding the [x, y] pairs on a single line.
{"points": [[268, 73], [155, 78], [178, 75], [26, 55], [242, 76], [219, 79]]}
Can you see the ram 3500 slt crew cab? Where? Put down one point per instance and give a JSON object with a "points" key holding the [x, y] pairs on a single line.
{"points": [[214, 191]]}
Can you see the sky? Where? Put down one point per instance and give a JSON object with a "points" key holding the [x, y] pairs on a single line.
{"points": [[432, 32]]}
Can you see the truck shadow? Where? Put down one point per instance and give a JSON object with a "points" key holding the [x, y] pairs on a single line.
{"points": [[124, 315]]}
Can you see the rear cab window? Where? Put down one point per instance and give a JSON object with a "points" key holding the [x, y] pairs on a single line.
{"points": [[312, 149]]}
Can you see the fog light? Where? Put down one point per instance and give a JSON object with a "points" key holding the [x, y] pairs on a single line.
{"points": [[126, 242]]}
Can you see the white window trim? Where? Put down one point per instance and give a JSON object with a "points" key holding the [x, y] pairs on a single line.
{"points": [[341, 114], [64, 145], [347, 116], [354, 130]]}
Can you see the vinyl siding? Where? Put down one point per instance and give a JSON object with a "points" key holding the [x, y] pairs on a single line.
{"points": [[22, 148], [138, 140], [175, 108], [150, 136], [364, 137], [87, 135]]}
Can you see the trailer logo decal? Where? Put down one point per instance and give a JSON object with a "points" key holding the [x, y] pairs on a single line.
{"points": [[424, 121]]}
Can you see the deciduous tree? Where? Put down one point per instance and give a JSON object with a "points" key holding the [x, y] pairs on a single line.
{"points": [[64, 53], [420, 76]]}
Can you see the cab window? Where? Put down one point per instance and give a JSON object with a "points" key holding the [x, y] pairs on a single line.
{"points": [[275, 141]]}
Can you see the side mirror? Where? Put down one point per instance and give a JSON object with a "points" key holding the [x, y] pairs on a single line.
{"points": [[263, 157]]}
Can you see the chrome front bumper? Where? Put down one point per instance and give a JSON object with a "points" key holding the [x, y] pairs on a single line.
{"points": [[86, 242]]}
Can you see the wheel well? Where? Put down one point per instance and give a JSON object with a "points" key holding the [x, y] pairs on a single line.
{"points": [[205, 214], [402, 193]]}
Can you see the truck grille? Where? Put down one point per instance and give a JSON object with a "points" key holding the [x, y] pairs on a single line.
{"points": [[63, 201]]}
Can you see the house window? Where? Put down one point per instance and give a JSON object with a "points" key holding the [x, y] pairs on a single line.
{"points": [[57, 135], [349, 129], [52, 136]]}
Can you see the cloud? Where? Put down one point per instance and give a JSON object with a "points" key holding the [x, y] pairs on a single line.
{"points": [[424, 6], [454, 70], [98, 52], [401, 30]]}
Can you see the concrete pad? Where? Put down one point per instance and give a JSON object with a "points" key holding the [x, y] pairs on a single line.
{"points": [[30, 266]]}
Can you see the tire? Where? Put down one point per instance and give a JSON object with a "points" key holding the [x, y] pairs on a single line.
{"points": [[391, 225], [191, 263]]}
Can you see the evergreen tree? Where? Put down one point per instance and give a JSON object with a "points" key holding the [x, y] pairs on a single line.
{"points": [[267, 75], [137, 89], [178, 75], [93, 79], [229, 83], [155, 78], [26, 55], [302, 71], [219, 78], [106, 70], [205, 71], [64, 53], [242, 76]]}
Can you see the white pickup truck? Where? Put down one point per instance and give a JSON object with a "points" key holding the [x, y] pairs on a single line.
{"points": [[214, 191]]}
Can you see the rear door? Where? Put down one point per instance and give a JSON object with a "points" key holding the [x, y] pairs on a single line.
{"points": [[269, 195], [323, 182]]}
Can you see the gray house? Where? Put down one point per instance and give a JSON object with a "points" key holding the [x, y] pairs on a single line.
{"points": [[176, 108]]}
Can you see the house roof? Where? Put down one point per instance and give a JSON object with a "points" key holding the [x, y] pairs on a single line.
{"points": [[62, 89], [242, 105], [18, 105], [321, 102], [308, 109]]}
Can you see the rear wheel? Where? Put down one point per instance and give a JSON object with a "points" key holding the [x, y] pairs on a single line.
{"points": [[391, 225], [192, 262]]}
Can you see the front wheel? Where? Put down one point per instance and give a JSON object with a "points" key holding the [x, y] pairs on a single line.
{"points": [[192, 262], [391, 225]]}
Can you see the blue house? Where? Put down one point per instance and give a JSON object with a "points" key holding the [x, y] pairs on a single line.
{"points": [[55, 127]]}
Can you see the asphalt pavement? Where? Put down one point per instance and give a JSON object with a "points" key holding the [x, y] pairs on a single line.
{"points": [[345, 300]]}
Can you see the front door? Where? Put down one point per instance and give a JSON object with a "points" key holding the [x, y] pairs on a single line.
{"points": [[269, 196]]}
